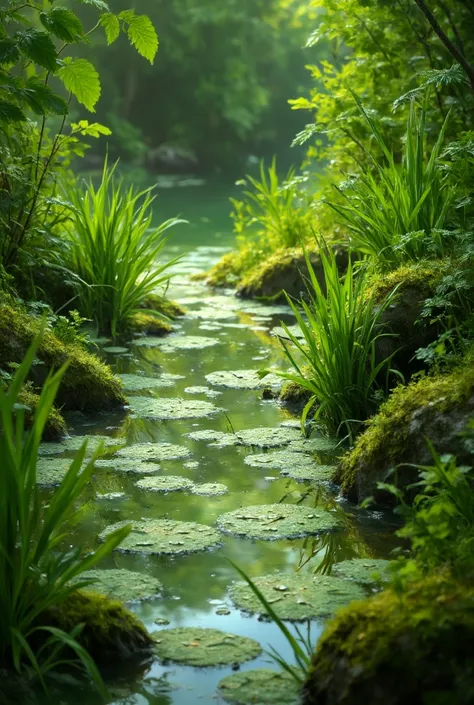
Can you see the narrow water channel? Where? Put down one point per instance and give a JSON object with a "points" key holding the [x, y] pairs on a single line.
{"points": [[220, 333]]}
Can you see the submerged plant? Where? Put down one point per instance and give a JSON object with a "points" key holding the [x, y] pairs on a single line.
{"points": [[399, 212], [340, 327], [35, 572], [113, 250]]}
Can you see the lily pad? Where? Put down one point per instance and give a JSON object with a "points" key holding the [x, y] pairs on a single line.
{"points": [[154, 452], [277, 521], [165, 483], [137, 383], [243, 379], [127, 465], [215, 438], [298, 466], [73, 443], [297, 596], [115, 350], [124, 585], [195, 646], [179, 342], [260, 687], [50, 472], [210, 489], [211, 393], [213, 313], [363, 570], [312, 445], [171, 409], [165, 537], [268, 437], [295, 331]]}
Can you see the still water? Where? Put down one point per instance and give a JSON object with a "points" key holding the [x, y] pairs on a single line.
{"points": [[195, 586]]}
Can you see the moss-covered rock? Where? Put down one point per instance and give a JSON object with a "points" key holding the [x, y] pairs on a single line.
{"points": [[163, 306], [226, 272], [436, 407], [393, 650], [294, 395], [144, 323], [55, 425], [88, 384], [110, 631]]}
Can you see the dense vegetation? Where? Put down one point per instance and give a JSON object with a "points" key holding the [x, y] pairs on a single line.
{"points": [[370, 241]]}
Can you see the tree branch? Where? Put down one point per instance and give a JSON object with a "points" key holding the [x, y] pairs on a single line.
{"points": [[452, 48]]}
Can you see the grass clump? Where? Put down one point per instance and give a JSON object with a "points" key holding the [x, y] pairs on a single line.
{"points": [[340, 327], [113, 250], [36, 574]]}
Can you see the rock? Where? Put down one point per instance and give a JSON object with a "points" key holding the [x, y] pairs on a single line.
{"points": [[436, 407], [168, 158], [396, 649]]}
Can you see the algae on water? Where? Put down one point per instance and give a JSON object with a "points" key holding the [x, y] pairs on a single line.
{"points": [[277, 521], [128, 466], [124, 585], [243, 379], [50, 472], [153, 452], [165, 483], [73, 443], [177, 343], [260, 687], [299, 466], [365, 571], [297, 596], [138, 383], [165, 409], [196, 646], [165, 537]]}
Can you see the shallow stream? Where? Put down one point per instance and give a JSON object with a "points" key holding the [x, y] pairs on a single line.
{"points": [[220, 333]]}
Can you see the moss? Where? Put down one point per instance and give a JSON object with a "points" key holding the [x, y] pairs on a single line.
{"points": [[160, 304], [226, 272], [422, 276], [391, 650], [55, 427], [88, 384], [110, 630], [435, 406], [294, 394], [148, 324]]}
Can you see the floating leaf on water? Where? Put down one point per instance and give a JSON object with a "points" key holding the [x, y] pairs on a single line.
{"points": [[210, 489], [124, 585], [313, 445], [115, 350], [73, 443], [259, 687], [177, 343], [363, 570], [50, 472], [277, 521], [165, 409], [153, 536], [196, 646], [306, 596], [165, 483], [137, 383], [243, 379], [126, 465], [154, 452]]}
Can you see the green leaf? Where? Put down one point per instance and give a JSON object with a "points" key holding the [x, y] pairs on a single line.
{"points": [[10, 112], [142, 34], [38, 46], [42, 100], [99, 4], [9, 53], [111, 25], [63, 23], [82, 80], [87, 129]]}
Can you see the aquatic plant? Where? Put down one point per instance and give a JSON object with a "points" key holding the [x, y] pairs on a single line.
{"points": [[35, 572], [340, 327], [399, 212], [113, 250]]}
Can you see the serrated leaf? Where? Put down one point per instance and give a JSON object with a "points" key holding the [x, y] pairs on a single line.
{"points": [[142, 35], [63, 23], [82, 80], [10, 112], [9, 53], [42, 100], [99, 4], [93, 129], [111, 25], [38, 46]]}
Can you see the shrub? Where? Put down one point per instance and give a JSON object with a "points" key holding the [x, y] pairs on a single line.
{"points": [[113, 251]]}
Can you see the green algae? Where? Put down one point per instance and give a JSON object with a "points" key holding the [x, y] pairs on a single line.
{"points": [[74, 443], [210, 489], [165, 483], [243, 379], [128, 466], [365, 571], [123, 585], [165, 537], [258, 437], [313, 445], [138, 383], [154, 452], [297, 596], [277, 521], [168, 409], [177, 343], [50, 472], [299, 466], [259, 687], [211, 393], [196, 646]]}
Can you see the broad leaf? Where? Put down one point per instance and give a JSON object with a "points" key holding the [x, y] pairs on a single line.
{"points": [[82, 80], [99, 4], [87, 129], [10, 112], [111, 25], [63, 23], [42, 100], [142, 34], [38, 46], [9, 53]]}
